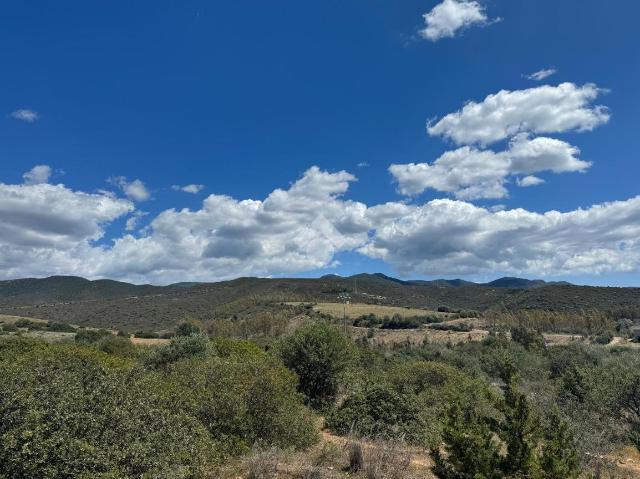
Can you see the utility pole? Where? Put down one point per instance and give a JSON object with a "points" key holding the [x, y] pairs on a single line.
{"points": [[344, 297]]}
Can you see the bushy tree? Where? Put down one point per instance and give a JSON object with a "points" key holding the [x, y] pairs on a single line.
{"points": [[319, 354], [188, 327], [559, 459], [530, 338]]}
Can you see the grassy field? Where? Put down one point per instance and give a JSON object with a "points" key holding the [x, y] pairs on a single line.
{"points": [[355, 310]]}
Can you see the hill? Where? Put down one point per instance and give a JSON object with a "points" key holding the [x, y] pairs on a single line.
{"points": [[55, 289], [106, 303]]}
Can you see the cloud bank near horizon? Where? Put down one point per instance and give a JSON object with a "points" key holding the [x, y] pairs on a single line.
{"points": [[51, 229]]}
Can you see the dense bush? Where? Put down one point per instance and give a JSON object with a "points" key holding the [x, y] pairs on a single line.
{"points": [[187, 328], [319, 354], [457, 327], [407, 401], [530, 338], [73, 411], [146, 334], [604, 338], [60, 327], [90, 336], [380, 411], [243, 397], [367, 321], [93, 416], [398, 322], [180, 347], [116, 345]]}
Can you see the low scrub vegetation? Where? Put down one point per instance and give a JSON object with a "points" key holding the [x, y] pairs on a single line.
{"points": [[74, 411], [509, 405]]}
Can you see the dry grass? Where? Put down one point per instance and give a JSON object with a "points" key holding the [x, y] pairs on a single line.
{"points": [[263, 464], [355, 310], [149, 341], [51, 336]]}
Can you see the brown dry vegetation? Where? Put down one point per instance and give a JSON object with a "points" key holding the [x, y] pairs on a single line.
{"points": [[353, 310]]}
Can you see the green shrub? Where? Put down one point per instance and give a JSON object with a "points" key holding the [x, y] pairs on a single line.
{"points": [[398, 322], [367, 321], [408, 401], [93, 416], [244, 398], [187, 328], [90, 336], [380, 411], [146, 334], [180, 347], [60, 327], [530, 338], [116, 345], [457, 327], [22, 323], [604, 338], [319, 355]]}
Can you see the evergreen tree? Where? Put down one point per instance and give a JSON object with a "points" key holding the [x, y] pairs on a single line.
{"points": [[559, 459], [518, 432], [475, 446], [471, 451]]}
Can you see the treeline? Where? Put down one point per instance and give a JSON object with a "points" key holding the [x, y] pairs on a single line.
{"points": [[590, 322], [23, 323]]}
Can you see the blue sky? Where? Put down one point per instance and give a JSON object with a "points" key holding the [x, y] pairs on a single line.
{"points": [[244, 97]]}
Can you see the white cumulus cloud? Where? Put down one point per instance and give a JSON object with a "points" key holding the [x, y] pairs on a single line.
{"points": [[50, 229], [26, 115], [38, 174], [446, 19], [529, 180], [192, 188], [135, 190], [544, 109], [470, 173], [455, 237]]}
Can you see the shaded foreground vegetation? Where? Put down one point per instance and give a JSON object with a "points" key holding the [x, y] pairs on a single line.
{"points": [[505, 407]]}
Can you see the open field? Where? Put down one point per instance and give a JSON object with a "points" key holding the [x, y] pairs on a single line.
{"points": [[149, 341], [355, 310], [51, 336]]}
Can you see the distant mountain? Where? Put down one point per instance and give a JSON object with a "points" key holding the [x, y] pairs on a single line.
{"points": [[59, 289], [520, 283], [506, 282], [106, 303], [442, 283]]}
